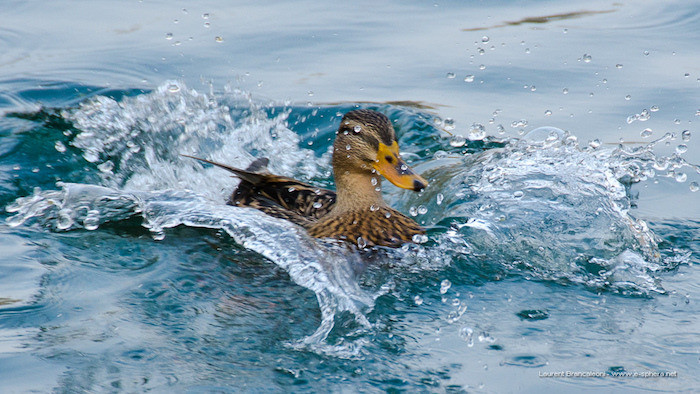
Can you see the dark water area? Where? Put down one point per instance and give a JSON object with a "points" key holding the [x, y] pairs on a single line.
{"points": [[563, 213]]}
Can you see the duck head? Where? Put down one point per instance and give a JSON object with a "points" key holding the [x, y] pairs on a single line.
{"points": [[366, 143]]}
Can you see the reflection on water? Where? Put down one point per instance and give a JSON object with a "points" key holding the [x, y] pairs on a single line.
{"points": [[542, 19]]}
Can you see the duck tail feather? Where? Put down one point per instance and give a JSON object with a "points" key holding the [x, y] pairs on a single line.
{"points": [[247, 175]]}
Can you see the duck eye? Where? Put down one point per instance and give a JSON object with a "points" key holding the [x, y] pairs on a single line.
{"points": [[389, 159]]}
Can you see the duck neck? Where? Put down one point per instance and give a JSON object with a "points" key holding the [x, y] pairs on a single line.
{"points": [[357, 191]]}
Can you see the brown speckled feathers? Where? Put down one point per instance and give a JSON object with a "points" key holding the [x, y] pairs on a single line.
{"points": [[278, 196], [383, 226]]}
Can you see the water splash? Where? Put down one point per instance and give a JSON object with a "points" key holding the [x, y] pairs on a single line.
{"points": [[542, 207], [327, 270], [551, 210], [142, 137]]}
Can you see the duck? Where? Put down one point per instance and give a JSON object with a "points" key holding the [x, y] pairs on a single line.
{"points": [[364, 150]]}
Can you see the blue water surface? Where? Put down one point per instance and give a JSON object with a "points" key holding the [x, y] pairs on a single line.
{"points": [[563, 213]]}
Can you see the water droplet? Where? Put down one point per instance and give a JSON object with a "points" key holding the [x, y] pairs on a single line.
{"points": [[158, 235], [91, 156], [439, 198], [485, 39], [518, 194], [457, 141], [628, 97], [654, 108], [501, 129], [682, 148], [413, 211], [676, 121], [59, 146], [618, 65], [482, 67], [133, 148], [361, 243], [448, 124], [450, 75], [586, 58], [205, 15], [168, 36], [173, 88], [317, 205], [420, 238], [92, 220], [469, 78], [348, 147], [106, 167], [681, 177], [685, 135], [441, 154], [418, 300], [533, 88], [218, 39], [445, 285], [661, 164], [387, 214], [292, 189], [422, 210], [477, 132], [467, 334], [646, 133], [565, 30], [547, 113], [694, 186], [565, 91], [646, 53], [64, 220], [518, 123], [595, 144], [374, 181]]}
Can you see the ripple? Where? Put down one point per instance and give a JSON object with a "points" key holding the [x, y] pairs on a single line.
{"points": [[532, 314], [526, 361]]}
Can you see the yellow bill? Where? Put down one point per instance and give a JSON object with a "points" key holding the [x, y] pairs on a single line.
{"points": [[394, 169]]}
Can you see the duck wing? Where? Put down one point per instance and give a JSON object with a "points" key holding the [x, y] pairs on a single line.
{"points": [[278, 196]]}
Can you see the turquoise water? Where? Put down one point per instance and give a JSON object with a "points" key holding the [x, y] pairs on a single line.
{"points": [[562, 234]]}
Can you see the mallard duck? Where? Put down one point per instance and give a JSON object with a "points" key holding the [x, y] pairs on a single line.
{"points": [[365, 146]]}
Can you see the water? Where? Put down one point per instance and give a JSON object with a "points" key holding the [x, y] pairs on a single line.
{"points": [[560, 238]]}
